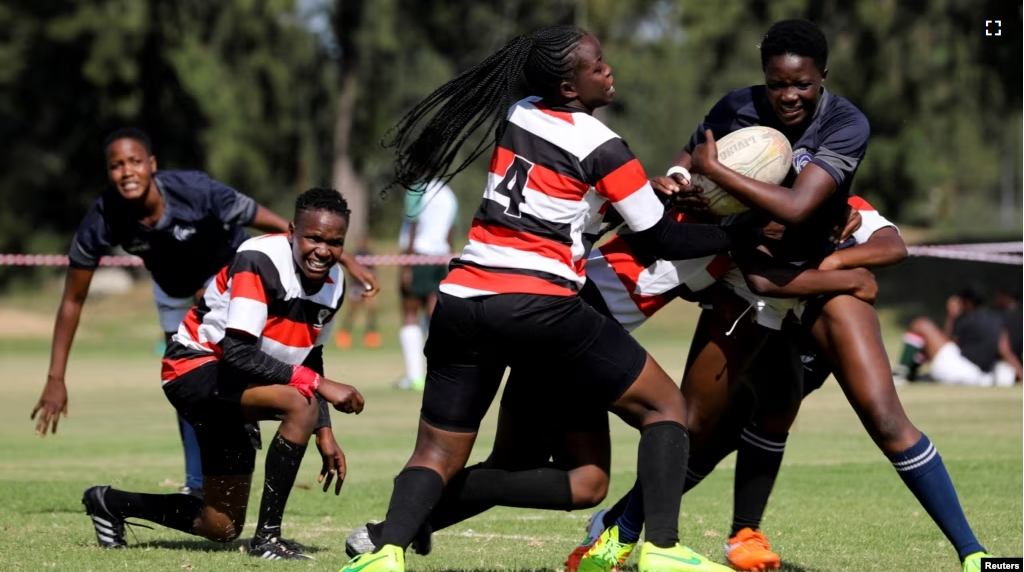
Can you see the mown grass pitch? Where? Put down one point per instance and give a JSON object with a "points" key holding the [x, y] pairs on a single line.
{"points": [[838, 505]]}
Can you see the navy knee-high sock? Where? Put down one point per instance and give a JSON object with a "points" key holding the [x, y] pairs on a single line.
{"points": [[924, 473]]}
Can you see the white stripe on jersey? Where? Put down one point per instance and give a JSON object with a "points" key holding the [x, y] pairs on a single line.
{"points": [[561, 211], [586, 134], [665, 275], [507, 257], [285, 353], [870, 223], [640, 210], [460, 291], [245, 315]]}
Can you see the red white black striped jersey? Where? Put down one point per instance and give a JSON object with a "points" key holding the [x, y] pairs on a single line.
{"points": [[259, 293], [634, 286], [553, 173]]}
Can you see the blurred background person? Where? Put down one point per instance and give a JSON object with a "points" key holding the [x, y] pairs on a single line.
{"points": [[427, 226], [357, 303]]}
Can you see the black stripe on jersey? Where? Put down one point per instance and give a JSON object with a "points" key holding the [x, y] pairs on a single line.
{"points": [[302, 311], [556, 280], [605, 159], [178, 351], [259, 263], [493, 213], [542, 152]]}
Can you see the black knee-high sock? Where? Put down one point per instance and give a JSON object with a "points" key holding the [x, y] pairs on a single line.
{"points": [[758, 459], [173, 511], [661, 468], [478, 488], [417, 491], [618, 508], [282, 466]]}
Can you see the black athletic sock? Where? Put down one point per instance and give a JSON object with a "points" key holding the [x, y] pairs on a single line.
{"points": [[282, 466], [758, 459], [661, 467], [417, 491], [478, 488], [618, 508], [175, 511]]}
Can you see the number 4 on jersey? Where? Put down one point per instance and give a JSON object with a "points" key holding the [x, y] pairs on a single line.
{"points": [[513, 184]]}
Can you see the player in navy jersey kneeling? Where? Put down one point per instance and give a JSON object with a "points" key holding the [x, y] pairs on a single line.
{"points": [[250, 350]]}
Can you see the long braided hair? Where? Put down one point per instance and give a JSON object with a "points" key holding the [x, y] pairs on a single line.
{"points": [[480, 95]]}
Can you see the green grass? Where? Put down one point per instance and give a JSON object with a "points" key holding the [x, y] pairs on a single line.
{"points": [[838, 504]]}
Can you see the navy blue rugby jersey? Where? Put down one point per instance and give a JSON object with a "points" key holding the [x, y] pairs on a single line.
{"points": [[201, 227], [836, 139]]}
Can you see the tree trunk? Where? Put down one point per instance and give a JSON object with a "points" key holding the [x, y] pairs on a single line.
{"points": [[344, 176]]}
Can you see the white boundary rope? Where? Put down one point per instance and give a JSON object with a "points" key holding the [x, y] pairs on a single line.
{"points": [[994, 252], [134, 261]]}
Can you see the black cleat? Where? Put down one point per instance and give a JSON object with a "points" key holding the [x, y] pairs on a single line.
{"points": [[109, 528], [275, 548]]}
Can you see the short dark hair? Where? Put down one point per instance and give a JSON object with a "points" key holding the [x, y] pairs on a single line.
{"points": [[322, 199], [795, 37], [132, 133], [974, 293]]}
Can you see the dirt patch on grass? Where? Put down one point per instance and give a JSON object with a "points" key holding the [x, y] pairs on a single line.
{"points": [[21, 324]]}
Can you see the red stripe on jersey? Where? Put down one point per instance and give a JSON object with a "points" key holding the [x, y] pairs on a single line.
{"points": [[192, 323], [563, 115], [502, 283], [555, 185], [289, 333], [622, 182], [625, 265], [859, 203], [720, 265], [501, 160], [171, 369], [247, 284], [604, 208], [500, 236], [222, 280]]}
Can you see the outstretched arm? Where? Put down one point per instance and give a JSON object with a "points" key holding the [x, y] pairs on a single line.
{"points": [[54, 401], [269, 221]]}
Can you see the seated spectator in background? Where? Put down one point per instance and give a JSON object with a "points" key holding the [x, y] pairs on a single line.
{"points": [[973, 347], [1009, 304]]}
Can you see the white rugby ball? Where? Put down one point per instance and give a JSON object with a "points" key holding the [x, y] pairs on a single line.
{"points": [[758, 152]]}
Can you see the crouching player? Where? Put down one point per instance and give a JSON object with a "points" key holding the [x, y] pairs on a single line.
{"points": [[251, 350]]}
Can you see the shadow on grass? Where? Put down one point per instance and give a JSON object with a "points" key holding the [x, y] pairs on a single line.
{"points": [[786, 567], [201, 545]]}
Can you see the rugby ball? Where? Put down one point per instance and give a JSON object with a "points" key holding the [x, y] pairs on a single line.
{"points": [[758, 152]]}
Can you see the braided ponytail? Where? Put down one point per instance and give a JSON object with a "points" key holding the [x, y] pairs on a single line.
{"points": [[429, 137]]}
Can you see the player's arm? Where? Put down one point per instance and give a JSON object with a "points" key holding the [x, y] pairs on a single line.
{"points": [[619, 177], [362, 274], [884, 248], [54, 401], [783, 280], [267, 220], [1006, 353]]}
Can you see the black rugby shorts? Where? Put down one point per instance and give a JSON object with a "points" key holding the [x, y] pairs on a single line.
{"points": [[472, 340], [225, 439]]}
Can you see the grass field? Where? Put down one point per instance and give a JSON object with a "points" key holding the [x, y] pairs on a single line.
{"points": [[838, 504]]}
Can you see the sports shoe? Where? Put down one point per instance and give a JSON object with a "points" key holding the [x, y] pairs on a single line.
{"points": [[973, 561], [276, 548], [390, 558], [594, 528], [364, 539], [343, 339], [750, 550], [371, 340], [675, 559], [109, 528], [607, 553]]}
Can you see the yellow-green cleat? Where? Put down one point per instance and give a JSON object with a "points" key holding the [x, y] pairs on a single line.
{"points": [[973, 561], [676, 559], [607, 553], [389, 558]]}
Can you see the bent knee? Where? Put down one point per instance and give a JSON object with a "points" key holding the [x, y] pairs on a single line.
{"points": [[589, 486]]}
